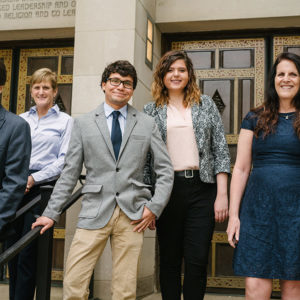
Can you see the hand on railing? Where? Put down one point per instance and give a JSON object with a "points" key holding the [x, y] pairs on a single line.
{"points": [[43, 221]]}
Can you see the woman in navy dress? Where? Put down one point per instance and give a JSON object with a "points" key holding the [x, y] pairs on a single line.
{"points": [[265, 226]]}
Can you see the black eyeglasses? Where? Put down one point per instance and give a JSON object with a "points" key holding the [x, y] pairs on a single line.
{"points": [[116, 82]]}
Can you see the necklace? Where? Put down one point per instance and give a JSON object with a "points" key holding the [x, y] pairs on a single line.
{"points": [[287, 116]]}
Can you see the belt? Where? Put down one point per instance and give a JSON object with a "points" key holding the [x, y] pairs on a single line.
{"points": [[187, 173]]}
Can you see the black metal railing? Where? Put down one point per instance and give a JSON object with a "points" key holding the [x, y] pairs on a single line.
{"points": [[45, 242]]}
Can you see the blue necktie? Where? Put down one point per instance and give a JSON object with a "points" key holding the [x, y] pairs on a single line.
{"points": [[116, 134]]}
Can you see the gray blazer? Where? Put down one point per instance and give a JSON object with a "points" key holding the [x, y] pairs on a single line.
{"points": [[214, 155], [110, 182]]}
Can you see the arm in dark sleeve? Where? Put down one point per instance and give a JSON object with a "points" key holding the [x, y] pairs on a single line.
{"points": [[220, 149], [149, 176], [15, 171]]}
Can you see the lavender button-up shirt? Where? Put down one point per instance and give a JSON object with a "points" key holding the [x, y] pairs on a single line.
{"points": [[50, 137]]}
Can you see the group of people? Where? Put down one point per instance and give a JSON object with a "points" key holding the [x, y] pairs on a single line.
{"points": [[166, 168]]}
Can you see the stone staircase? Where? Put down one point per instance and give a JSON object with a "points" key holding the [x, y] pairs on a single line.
{"points": [[56, 294]]}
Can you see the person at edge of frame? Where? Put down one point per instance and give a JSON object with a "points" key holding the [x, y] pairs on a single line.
{"points": [[15, 148], [264, 211]]}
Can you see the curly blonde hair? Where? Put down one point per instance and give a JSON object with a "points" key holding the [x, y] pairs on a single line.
{"points": [[160, 92]]}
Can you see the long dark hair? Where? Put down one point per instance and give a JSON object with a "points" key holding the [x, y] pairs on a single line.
{"points": [[268, 112]]}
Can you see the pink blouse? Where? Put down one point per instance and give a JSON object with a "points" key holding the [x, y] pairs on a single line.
{"points": [[181, 141]]}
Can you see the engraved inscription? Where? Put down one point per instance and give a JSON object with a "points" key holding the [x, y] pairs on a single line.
{"points": [[36, 9]]}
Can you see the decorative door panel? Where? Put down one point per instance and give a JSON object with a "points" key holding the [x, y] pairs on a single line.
{"points": [[286, 44], [232, 72], [6, 58], [59, 60]]}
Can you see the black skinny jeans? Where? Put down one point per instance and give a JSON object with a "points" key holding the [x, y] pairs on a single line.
{"points": [[184, 232]]}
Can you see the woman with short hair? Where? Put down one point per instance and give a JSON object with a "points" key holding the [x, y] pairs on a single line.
{"points": [[50, 134]]}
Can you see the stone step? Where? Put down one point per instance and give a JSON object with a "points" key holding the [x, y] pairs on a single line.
{"points": [[56, 292], [208, 296]]}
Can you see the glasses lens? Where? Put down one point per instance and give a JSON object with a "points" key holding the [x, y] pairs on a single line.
{"points": [[115, 81], [128, 84]]}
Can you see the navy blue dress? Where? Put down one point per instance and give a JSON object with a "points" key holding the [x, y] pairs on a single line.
{"points": [[269, 245]]}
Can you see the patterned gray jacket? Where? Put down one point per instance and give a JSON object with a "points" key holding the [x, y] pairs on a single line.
{"points": [[213, 150]]}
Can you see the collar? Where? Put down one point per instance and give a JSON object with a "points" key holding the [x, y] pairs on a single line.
{"points": [[53, 109], [108, 110]]}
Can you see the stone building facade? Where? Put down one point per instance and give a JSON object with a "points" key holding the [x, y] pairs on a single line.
{"points": [[232, 44]]}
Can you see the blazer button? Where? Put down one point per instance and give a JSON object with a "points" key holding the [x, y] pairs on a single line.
{"points": [[200, 154], [117, 169], [117, 194]]}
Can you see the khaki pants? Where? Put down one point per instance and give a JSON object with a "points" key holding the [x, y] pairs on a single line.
{"points": [[86, 249]]}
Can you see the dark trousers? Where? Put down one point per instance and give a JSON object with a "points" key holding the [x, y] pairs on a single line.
{"points": [[22, 268], [184, 232]]}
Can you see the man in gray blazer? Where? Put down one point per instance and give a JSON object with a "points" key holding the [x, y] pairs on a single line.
{"points": [[112, 142], [15, 149]]}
